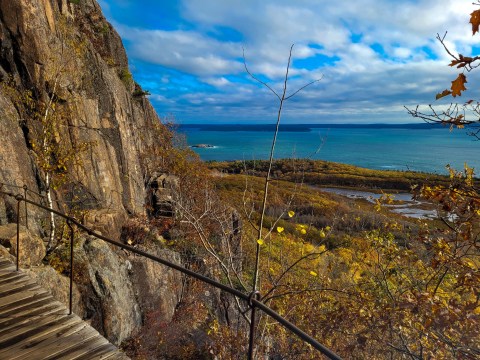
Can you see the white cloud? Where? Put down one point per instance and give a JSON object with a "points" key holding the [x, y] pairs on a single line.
{"points": [[217, 82], [186, 51], [385, 50]]}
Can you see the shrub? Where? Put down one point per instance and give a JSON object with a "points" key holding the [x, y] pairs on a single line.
{"points": [[126, 77]]}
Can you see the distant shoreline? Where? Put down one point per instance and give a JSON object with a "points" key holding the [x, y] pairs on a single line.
{"points": [[302, 127]]}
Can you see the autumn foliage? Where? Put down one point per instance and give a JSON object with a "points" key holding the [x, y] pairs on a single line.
{"points": [[365, 282]]}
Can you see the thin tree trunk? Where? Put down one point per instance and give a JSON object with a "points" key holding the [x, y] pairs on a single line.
{"points": [[50, 206]]}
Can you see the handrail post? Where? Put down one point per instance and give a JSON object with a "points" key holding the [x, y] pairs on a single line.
{"points": [[251, 336], [25, 188], [19, 199], [71, 267]]}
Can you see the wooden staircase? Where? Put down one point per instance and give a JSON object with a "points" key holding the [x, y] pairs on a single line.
{"points": [[33, 325]]}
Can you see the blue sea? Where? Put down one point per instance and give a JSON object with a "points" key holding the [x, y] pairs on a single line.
{"points": [[417, 147]]}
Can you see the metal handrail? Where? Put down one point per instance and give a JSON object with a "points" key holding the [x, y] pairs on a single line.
{"points": [[251, 299]]}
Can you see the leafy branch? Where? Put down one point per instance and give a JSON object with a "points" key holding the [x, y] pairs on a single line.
{"points": [[456, 115]]}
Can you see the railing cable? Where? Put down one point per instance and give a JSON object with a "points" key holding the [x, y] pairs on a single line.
{"points": [[251, 299]]}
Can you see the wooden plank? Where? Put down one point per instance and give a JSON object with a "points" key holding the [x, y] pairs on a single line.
{"points": [[13, 298], [8, 275], [12, 309], [4, 274], [5, 264], [74, 337], [80, 348], [43, 341], [27, 313], [98, 353], [57, 310], [19, 288], [118, 355], [15, 283], [26, 330], [36, 298]]}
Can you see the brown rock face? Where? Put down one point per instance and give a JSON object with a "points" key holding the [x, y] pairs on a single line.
{"points": [[93, 92], [67, 53]]}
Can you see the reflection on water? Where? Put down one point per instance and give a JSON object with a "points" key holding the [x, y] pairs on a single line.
{"points": [[408, 207]]}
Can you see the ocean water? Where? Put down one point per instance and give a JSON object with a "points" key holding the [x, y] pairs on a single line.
{"points": [[417, 147]]}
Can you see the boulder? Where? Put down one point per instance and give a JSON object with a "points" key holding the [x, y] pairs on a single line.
{"points": [[156, 286], [4, 253], [161, 188], [111, 304], [32, 248], [108, 222]]}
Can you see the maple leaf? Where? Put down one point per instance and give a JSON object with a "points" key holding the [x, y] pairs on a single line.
{"points": [[458, 85], [475, 21], [442, 94]]}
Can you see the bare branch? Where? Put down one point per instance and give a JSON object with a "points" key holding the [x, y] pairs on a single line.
{"points": [[303, 87], [257, 79]]}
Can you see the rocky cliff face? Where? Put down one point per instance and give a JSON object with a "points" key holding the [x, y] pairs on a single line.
{"points": [[65, 54], [68, 50]]}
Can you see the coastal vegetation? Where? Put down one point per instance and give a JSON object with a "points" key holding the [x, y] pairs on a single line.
{"points": [[324, 173]]}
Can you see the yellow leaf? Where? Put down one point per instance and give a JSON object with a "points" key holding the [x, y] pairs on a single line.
{"points": [[303, 231], [260, 242], [129, 241], [280, 229], [313, 273], [328, 228], [291, 213], [322, 234]]}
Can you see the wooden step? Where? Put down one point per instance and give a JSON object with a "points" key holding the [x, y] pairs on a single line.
{"points": [[33, 325]]}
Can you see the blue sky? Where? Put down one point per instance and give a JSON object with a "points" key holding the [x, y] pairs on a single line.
{"points": [[374, 56]]}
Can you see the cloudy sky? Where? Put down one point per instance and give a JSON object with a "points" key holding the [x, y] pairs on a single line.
{"points": [[373, 56]]}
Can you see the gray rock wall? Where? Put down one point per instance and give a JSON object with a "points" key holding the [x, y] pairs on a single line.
{"points": [[36, 38], [93, 93]]}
